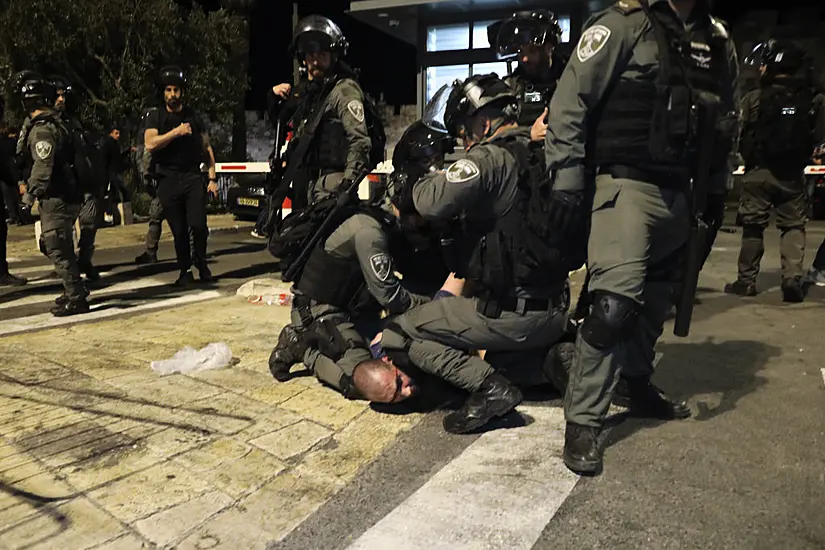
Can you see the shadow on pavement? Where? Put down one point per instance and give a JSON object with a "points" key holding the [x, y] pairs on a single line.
{"points": [[725, 372]]}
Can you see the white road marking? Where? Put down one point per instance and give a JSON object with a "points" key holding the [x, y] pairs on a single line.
{"points": [[720, 249], [823, 375], [120, 287], [99, 311], [14, 260], [499, 493]]}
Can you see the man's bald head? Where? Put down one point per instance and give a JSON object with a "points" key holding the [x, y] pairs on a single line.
{"points": [[379, 381]]}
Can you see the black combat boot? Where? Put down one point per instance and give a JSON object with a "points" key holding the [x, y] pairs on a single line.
{"points": [[62, 300], [287, 352], [205, 274], [184, 279], [740, 288], [496, 397], [558, 364], [90, 271], [792, 290], [71, 307], [582, 453], [644, 399], [146, 258], [7, 279]]}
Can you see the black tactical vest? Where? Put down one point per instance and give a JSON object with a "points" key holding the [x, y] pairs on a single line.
{"points": [[330, 146], [533, 97], [339, 282], [515, 251], [644, 122], [781, 132]]}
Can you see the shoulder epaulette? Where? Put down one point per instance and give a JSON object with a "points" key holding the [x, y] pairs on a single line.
{"points": [[626, 7]]}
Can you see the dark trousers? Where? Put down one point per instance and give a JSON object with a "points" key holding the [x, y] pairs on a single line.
{"points": [[763, 191], [91, 215], [183, 197], [57, 218]]}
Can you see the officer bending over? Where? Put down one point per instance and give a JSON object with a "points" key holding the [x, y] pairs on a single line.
{"points": [[503, 249]]}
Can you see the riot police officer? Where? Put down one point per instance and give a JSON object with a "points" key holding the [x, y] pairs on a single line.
{"points": [[178, 141], [532, 37], [502, 249], [623, 103], [53, 182], [778, 139], [90, 181], [340, 145], [348, 278]]}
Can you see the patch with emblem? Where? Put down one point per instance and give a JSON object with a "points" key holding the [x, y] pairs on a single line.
{"points": [[462, 170], [357, 109], [381, 265], [592, 42], [43, 149]]}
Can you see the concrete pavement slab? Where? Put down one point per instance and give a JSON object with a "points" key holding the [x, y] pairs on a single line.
{"points": [[172, 524], [292, 440]]}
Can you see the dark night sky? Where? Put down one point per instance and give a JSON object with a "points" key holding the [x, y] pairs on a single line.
{"points": [[387, 65]]}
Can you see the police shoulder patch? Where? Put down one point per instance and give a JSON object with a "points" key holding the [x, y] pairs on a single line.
{"points": [[381, 265], [357, 109], [592, 42], [43, 149], [462, 170]]}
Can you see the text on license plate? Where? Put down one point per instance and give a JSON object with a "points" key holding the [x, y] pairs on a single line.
{"points": [[243, 201]]}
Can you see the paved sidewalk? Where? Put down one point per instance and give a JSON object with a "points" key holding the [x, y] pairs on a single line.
{"points": [[98, 451], [21, 244]]}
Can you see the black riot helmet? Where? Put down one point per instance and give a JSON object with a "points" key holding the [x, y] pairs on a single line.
{"points": [[316, 33], [778, 57], [33, 90], [453, 105], [61, 84], [172, 75], [536, 28], [422, 146]]}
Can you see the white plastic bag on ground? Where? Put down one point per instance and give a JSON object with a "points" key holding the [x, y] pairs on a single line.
{"points": [[213, 356]]}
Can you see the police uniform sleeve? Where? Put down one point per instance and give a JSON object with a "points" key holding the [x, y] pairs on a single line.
{"points": [[819, 121], [443, 194], [42, 146], [372, 249], [348, 102], [600, 57]]}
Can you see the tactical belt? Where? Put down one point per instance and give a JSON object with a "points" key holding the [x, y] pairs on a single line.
{"points": [[677, 181], [492, 306]]}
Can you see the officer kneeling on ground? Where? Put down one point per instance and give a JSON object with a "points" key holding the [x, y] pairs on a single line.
{"points": [[504, 249], [783, 121], [347, 280], [53, 182]]}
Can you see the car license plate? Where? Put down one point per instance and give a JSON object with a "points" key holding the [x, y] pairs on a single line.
{"points": [[243, 201]]}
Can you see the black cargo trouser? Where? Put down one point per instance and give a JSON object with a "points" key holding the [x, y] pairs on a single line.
{"points": [[4, 233], [90, 217], [183, 198], [763, 191], [57, 217]]}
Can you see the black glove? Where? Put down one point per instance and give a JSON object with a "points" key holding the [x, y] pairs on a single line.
{"points": [[565, 210]]}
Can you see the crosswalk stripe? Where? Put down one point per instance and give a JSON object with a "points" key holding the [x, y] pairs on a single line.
{"points": [[98, 311], [119, 287], [823, 375], [500, 492]]}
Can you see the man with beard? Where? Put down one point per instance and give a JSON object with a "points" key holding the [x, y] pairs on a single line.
{"points": [[177, 139], [340, 145], [532, 37]]}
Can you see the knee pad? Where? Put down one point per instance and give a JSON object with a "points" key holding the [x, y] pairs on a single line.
{"points": [[750, 231], [611, 320]]}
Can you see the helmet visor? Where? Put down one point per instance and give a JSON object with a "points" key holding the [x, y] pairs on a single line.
{"points": [[759, 55], [436, 109], [516, 33]]}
